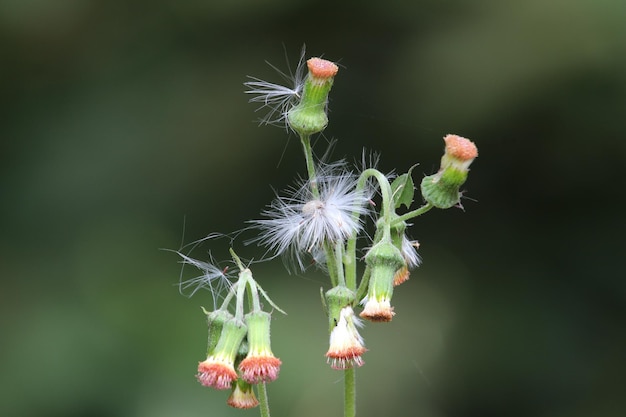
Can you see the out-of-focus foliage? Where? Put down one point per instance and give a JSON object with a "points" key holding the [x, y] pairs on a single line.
{"points": [[123, 120]]}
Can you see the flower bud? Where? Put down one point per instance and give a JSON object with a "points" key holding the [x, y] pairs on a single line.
{"points": [[336, 300], [215, 321], [346, 344], [242, 396], [218, 370], [259, 365], [408, 249], [442, 189], [384, 260], [309, 115]]}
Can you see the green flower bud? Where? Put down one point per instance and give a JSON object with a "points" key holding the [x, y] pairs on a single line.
{"points": [[384, 260], [442, 189], [260, 364], [218, 370], [215, 320], [336, 299], [242, 396], [309, 115]]}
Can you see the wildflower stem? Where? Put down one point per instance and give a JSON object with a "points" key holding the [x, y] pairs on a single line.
{"points": [[385, 191], [236, 259], [263, 401], [310, 165], [386, 214], [253, 293], [363, 285], [341, 280], [229, 296], [414, 213], [241, 291], [332, 264], [349, 404]]}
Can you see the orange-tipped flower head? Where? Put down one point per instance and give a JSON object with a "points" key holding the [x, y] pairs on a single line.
{"points": [[442, 189]]}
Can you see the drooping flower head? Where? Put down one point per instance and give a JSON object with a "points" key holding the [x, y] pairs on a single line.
{"points": [[216, 321], [346, 344], [300, 223], [383, 260], [242, 396], [260, 364], [408, 249], [218, 370]]}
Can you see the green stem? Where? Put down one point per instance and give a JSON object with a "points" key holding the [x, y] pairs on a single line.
{"points": [[333, 266], [349, 402], [341, 280], [263, 401], [386, 213], [242, 284], [362, 290], [310, 165], [414, 213]]}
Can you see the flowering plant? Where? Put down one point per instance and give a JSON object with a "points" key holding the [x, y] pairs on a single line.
{"points": [[319, 220]]}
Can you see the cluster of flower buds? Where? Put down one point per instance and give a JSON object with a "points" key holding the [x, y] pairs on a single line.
{"points": [[321, 217], [320, 220], [239, 354]]}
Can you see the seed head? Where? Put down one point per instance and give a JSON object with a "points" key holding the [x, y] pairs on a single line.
{"points": [[301, 222]]}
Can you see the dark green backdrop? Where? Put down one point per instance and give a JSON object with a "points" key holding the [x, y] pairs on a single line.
{"points": [[123, 120]]}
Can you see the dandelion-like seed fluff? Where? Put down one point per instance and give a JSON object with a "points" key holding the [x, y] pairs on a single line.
{"points": [[217, 280], [301, 222], [278, 99]]}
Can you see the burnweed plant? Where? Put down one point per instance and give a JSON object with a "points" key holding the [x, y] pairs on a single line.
{"points": [[319, 220]]}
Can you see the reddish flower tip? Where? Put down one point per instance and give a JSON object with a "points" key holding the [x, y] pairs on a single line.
{"points": [[346, 358], [401, 276], [377, 311], [216, 375], [322, 68], [460, 147], [257, 369], [242, 398]]}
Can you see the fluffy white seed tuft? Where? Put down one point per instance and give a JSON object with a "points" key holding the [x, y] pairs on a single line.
{"points": [[298, 224], [278, 99]]}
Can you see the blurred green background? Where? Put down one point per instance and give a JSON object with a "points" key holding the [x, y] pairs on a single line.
{"points": [[123, 120]]}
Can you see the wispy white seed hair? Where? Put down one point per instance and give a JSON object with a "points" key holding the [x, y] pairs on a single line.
{"points": [[409, 252], [213, 278], [278, 99], [299, 223]]}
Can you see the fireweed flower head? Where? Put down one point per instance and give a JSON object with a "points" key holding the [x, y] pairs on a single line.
{"points": [[218, 370], [442, 189], [300, 223], [259, 365], [309, 115], [242, 396], [346, 344], [278, 99], [384, 261]]}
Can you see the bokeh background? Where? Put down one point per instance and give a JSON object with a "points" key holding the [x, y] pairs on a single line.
{"points": [[124, 129]]}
